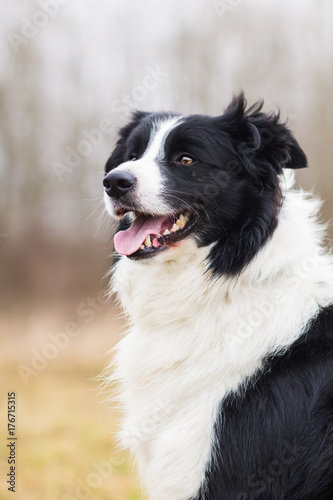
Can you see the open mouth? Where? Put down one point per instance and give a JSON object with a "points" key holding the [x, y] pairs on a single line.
{"points": [[149, 235]]}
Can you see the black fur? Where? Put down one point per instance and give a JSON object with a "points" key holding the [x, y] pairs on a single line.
{"points": [[234, 181], [275, 439]]}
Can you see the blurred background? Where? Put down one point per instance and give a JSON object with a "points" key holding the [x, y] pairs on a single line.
{"points": [[70, 74]]}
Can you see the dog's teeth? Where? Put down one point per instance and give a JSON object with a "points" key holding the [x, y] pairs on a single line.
{"points": [[147, 241], [181, 222], [166, 232], [174, 228], [142, 247]]}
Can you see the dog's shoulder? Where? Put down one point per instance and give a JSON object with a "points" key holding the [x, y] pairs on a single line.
{"points": [[281, 425]]}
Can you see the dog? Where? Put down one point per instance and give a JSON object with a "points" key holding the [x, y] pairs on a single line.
{"points": [[226, 373]]}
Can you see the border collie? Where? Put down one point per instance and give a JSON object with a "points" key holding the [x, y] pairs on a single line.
{"points": [[226, 373]]}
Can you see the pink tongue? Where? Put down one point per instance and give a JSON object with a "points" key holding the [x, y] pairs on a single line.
{"points": [[129, 241]]}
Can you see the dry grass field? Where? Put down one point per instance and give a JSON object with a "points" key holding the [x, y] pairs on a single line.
{"points": [[66, 445]]}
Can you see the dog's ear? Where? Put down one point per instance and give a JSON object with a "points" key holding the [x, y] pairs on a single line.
{"points": [[117, 156], [261, 139]]}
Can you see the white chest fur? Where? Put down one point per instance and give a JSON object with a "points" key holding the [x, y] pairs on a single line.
{"points": [[193, 339]]}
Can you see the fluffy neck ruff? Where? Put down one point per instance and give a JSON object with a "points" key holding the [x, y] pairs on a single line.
{"points": [[194, 338]]}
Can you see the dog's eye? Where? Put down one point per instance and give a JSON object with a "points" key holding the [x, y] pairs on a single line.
{"points": [[132, 157], [186, 160]]}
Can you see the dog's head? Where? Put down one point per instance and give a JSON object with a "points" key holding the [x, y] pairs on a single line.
{"points": [[212, 179]]}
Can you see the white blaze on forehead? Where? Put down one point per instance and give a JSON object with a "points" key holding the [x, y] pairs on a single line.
{"points": [[149, 177], [158, 135]]}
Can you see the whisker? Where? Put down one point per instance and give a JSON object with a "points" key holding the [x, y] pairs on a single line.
{"points": [[185, 202], [99, 205], [94, 199], [102, 217]]}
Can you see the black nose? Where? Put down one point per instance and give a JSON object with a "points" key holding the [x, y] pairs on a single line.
{"points": [[117, 183]]}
